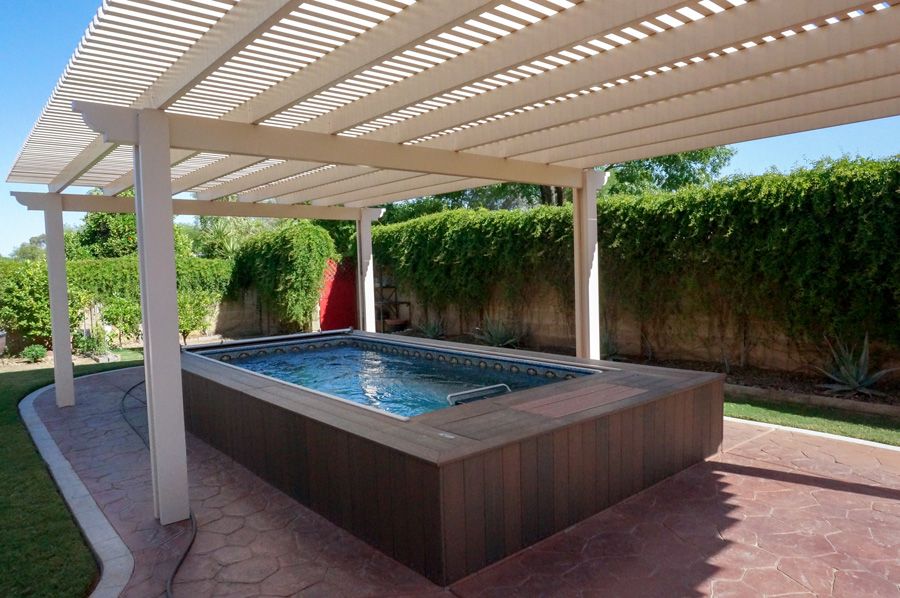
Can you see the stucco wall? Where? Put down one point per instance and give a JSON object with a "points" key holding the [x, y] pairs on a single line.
{"points": [[685, 336]]}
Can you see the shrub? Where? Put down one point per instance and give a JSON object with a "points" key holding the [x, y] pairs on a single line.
{"points": [[92, 344], [498, 334], [34, 353], [431, 328], [286, 266], [849, 373]]}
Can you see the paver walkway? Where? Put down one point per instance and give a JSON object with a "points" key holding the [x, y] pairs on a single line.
{"points": [[776, 514]]}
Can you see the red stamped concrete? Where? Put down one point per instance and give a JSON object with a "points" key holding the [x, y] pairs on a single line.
{"points": [[776, 514]]}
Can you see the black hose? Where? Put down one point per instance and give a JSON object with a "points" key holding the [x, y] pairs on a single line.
{"points": [[134, 429]]}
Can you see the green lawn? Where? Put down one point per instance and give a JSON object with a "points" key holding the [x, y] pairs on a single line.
{"points": [[877, 428], [42, 552]]}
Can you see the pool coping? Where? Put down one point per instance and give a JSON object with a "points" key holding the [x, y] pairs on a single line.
{"points": [[112, 554], [208, 351]]}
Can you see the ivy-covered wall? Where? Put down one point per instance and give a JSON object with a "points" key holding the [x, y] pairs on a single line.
{"points": [[285, 265], [779, 256]]}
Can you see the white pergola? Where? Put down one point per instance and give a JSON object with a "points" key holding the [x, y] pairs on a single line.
{"points": [[325, 108]]}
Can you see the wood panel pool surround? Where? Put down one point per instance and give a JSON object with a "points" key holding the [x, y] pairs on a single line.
{"points": [[452, 491]]}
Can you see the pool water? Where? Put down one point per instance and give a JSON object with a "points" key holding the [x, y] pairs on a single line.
{"points": [[398, 384]]}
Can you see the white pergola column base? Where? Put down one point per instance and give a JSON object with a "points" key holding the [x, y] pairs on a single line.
{"points": [[63, 375], [365, 281], [159, 305], [587, 265]]}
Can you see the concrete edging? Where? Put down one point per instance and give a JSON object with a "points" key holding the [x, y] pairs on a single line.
{"points": [[771, 395], [115, 559]]}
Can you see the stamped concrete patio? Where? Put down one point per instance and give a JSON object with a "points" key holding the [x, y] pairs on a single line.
{"points": [[776, 514]]}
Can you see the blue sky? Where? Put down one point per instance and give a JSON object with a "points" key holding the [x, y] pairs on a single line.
{"points": [[40, 36]]}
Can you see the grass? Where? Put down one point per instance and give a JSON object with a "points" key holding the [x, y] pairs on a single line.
{"points": [[42, 552], [877, 428]]}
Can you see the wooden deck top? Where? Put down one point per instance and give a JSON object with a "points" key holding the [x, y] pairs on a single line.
{"points": [[462, 431]]}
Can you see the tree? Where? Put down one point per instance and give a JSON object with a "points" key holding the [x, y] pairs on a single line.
{"points": [[73, 247], [222, 236], [33, 249], [115, 235], [124, 314], [668, 173], [108, 235], [194, 311]]}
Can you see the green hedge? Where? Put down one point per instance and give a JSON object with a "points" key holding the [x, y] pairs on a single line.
{"points": [[118, 277], [810, 252], [24, 300]]}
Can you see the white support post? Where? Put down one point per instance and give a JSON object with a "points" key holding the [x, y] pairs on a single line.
{"points": [[365, 282], [59, 305], [587, 265], [159, 305]]}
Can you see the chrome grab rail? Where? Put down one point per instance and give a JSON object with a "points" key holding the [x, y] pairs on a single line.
{"points": [[453, 400]]}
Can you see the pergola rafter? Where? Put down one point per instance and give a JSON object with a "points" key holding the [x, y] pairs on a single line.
{"points": [[857, 80], [329, 107]]}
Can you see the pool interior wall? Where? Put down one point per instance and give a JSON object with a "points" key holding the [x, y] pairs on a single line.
{"points": [[451, 491], [395, 377]]}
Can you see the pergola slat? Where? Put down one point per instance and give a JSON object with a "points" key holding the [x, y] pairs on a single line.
{"points": [[693, 39]]}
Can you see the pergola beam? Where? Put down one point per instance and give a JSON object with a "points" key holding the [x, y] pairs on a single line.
{"points": [[118, 125], [429, 188], [410, 27], [182, 207]]}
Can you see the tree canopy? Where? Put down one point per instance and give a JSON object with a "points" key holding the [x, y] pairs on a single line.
{"points": [[663, 173], [668, 173], [33, 249]]}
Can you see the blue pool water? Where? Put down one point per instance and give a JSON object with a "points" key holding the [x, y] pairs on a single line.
{"points": [[399, 384]]}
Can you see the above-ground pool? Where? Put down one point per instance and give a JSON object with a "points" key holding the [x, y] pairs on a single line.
{"points": [[447, 457], [390, 376]]}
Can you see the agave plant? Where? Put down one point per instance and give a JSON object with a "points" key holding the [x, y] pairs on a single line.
{"points": [[849, 372], [431, 328], [498, 334]]}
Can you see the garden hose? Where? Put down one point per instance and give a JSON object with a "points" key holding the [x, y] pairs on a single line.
{"points": [[134, 429]]}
